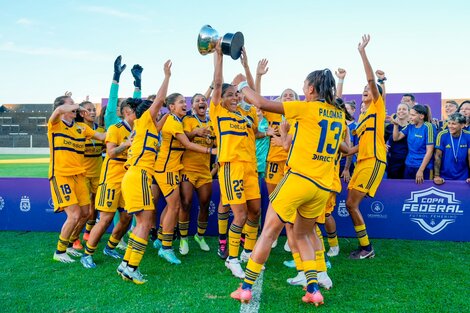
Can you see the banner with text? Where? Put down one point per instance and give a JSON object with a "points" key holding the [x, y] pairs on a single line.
{"points": [[401, 209]]}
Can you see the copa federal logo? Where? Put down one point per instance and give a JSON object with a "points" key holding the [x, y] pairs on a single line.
{"points": [[432, 209]]}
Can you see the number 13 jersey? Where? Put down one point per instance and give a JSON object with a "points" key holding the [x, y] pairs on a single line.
{"points": [[318, 132]]}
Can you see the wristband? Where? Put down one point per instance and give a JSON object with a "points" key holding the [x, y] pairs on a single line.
{"points": [[381, 81], [340, 81], [242, 85], [138, 83], [116, 76]]}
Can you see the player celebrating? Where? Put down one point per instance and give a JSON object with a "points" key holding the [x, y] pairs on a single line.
{"points": [[371, 158], [66, 171]]}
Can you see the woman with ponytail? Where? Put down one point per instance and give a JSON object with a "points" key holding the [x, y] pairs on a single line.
{"points": [[109, 198], [319, 125], [420, 136]]}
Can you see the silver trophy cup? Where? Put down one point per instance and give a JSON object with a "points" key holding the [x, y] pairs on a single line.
{"points": [[231, 45]]}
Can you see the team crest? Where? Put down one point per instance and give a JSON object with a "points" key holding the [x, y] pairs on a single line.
{"points": [[212, 208], [67, 198], [432, 209], [239, 195], [25, 204], [79, 130], [342, 210], [271, 175], [109, 203]]}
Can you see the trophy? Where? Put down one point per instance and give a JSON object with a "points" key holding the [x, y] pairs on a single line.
{"points": [[231, 45]]}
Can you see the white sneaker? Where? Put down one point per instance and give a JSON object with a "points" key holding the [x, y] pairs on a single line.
{"points": [[324, 280], [286, 246], [63, 257], [73, 252], [184, 246], [299, 280], [245, 256], [334, 251], [234, 266], [122, 245], [274, 245], [202, 243]]}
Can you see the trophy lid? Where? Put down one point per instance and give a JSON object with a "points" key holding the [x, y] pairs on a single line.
{"points": [[232, 44]]}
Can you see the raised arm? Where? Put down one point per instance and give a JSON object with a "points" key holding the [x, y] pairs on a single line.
{"points": [[397, 135], [244, 61], [218, 80], [137, 74], [341, 74], [111, 117], [65, 108], [381, 80], [209, 90], [259, 101], [260, 71], [368, 68], [161, 94]]}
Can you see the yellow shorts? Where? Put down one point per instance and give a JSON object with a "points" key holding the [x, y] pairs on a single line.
{"points": [[274, 172], [196, 179], [109, 198], [92, 184], [136, 190], [69, 190], [288, 199], [238, 182], [367, 176], [168, 182], [330, 206]]}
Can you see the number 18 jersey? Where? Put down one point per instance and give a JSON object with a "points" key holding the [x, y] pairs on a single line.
{"points": [[318, 132]]}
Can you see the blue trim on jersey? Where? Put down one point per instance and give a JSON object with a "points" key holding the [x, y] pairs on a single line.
{"points": [[293, 142], [68, 137], [69, 149], [124, 123], [143, 149], [220, 119], [310, 180], [92, 155], [231, 132]]}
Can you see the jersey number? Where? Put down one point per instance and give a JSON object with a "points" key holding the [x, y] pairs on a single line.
{"points": [[238, 185], [273, 167], [110, 194], [330, 146], [65, 189]]}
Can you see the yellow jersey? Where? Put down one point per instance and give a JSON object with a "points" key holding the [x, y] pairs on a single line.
{"points": [[275, 153], [195, 161], [67, 147], [370, 132], [93, 153], [112, 170], [143, 151], [171, 149], [231, 134], [318, 130], [252, 126]]}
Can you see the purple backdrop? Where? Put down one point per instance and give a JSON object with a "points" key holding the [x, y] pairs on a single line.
{"points": [[401, 209], [433, 99]]}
